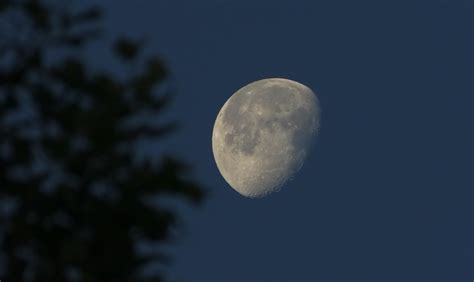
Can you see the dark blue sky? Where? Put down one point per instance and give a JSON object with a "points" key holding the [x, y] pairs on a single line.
{"points": [[387, 192]]}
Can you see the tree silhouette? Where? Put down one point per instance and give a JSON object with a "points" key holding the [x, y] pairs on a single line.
{"points": [[74, 197]]}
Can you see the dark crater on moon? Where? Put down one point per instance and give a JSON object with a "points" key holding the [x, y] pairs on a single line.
{"points": [[245, 125], [300, 138], [242, 135], [244, 138]]}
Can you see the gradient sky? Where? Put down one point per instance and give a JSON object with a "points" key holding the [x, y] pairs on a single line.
{"points": [[387, 192]]}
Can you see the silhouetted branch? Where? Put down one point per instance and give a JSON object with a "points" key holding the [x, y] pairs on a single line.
{"points": [[79, 199]]}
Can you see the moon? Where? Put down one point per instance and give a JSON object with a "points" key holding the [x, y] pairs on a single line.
{"points": [[263, 134]]}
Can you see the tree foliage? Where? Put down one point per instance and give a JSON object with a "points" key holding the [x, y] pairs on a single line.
{"points": [[73, 196]]}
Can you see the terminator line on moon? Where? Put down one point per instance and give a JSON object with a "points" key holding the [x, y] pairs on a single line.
{"points": [[263, 134]]}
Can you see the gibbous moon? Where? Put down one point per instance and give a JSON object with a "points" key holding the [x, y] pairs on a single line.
{"points": [[263, 134]]}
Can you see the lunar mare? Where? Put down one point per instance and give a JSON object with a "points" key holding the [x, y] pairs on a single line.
{"points": [[263, 134]]}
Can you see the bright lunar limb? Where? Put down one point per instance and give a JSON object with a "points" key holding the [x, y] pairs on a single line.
{"points": [[263, 134]]}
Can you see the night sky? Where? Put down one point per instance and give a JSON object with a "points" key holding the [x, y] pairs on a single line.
{"points": [[386, 193]]}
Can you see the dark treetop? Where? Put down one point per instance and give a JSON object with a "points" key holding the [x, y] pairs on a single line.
{"points": [[74, 197]]}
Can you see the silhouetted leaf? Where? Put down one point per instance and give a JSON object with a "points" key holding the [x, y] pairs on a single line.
{"points": [[153, 73], [4, 5], [126, 49], [90, 14], [38, 14], [68, 21], [149, 131], [78, 39], [70, 72]]}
